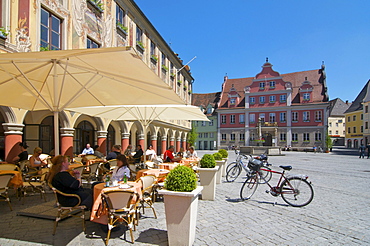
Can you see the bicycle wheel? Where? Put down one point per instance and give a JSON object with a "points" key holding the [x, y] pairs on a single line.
{"points": [[265, 176], [296, 191], [230, 165], [233, 173], [249, 187]]}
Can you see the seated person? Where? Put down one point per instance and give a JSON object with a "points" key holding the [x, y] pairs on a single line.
{"points": [[23, 155], [35, 160], [116, 150], [168, 155], [97, 153], [87, 151], [128, 151], [192, 153], [138, 154], [150, 151], [121, 169], [62, 180], [181, 153]]}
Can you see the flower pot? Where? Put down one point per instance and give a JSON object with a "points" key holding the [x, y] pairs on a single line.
{"points": [[181, 210], [220, 165], [224, 167], [207, 178]]}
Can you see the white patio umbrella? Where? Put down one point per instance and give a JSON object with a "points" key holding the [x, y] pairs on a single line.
{"points": [[145, 114], [55, 80]]}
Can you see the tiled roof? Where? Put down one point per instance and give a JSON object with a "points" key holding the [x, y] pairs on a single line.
{"points": [[296, 78], [338, 107], [357, 103], [205, 99]]}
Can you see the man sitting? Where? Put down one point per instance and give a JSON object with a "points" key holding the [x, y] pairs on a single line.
{"points": [[168, 155], [138, 154]]}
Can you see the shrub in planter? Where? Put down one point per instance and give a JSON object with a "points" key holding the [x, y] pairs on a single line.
{"points": [[224, 153], [181, 178], [217, 156], [207, 161]]}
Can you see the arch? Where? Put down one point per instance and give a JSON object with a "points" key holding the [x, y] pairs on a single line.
{"points": [[84, 134], [8, 114]]}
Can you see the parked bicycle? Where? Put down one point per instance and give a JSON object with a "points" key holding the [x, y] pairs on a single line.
{"points": [[295, 190], [234, 169]]}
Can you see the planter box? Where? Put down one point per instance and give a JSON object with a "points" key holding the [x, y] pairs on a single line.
{"points": [[181, 210], [224, 167], [220, 165], [207, 178]]}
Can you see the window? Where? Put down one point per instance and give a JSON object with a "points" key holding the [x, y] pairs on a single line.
{"points": [[329, 124], [232, 101], [366, 125], [209, 110], [282, 98], [139, 36], [272, 99], [306, 96], [262, 118], [232, 119], [272, 118], [152, 50], [318, 116], [211, 123], [91, 44], [330, 132], [282, 117], [211, 135], [241, 118], [366, 109], [354, 130], [223, 136], [262, 85], [241, 136], [262, 100], [51, 26], [354, 118], [294, 116], [318, 136], [120, 15], [362, 116], [203, 123], [283, 137], [349, 130], [252, 118], [163, 59], [205, 135], [306, 116], [252, 100], [336, 124], [306, 137], [340, 121], [295, 137], [349, 119], [223, 119], [362, 129], [272, 84], [232, 136], [200, 135], [337, 132]]}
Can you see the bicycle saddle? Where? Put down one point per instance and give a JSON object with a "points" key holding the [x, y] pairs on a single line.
{"points": [[288, 168]]}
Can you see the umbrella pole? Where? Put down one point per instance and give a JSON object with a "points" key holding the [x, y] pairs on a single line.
{"points": [[56, 132]]}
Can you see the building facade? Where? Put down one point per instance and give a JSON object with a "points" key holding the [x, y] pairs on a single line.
{"points": [[274, 110], [337, 121], [207, 131], [79, 24]]}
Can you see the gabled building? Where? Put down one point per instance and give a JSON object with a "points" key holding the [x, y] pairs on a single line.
{"points": [[357, 119], [337, 121], [207, 131], [273, 109]]}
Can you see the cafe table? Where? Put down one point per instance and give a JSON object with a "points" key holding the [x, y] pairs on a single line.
{"points": [[168, 166], [16, 181], [160, 174], [190, 162], [99, 215]]}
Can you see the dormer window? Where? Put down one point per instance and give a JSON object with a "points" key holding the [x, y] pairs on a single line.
{"points": [[272, 84], [262, 85], [306, 96], [232, 101], [209, 110]]}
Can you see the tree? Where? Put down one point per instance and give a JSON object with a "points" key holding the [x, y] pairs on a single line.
{"points": [[192, 136], [328, 142]]}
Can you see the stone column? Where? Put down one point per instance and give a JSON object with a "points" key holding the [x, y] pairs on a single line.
{"points": [[13, 136], [66, 141], [184, 144], [153, 141], [141, 141], [178, 144], [125, 141], [164, 144], [102, 141], [172, 142]]}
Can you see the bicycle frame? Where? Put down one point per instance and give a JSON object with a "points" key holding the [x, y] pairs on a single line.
{"points": [[281, 179]]}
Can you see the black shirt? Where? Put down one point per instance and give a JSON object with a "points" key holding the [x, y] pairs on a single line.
{"points": [[23, 156]]}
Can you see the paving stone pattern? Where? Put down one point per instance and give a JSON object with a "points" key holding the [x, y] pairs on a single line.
{"points": [[338, 215]]}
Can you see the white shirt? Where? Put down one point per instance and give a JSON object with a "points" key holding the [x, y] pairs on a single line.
{"points": [[118, 174], [152, 153], [190, 155]]}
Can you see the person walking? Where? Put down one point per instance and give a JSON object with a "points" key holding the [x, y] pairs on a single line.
{"points": [[362, 151], [368, 150]]}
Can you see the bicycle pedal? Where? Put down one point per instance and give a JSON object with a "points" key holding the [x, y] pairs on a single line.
{"points": [[267, 191]]}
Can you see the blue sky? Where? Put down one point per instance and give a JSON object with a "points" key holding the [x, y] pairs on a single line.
{"points": [[235, 37]]}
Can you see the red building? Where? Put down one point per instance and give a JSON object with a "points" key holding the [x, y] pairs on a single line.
{"points": [[274, 109]]}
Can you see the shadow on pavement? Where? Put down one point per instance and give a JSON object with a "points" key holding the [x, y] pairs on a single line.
{"points": [[153, 236]]}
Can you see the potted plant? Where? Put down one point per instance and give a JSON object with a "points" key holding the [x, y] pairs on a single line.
{"points": [[207, 176], [3, 35], [220, 163], [121, 28], [140, 45], [180, 196], [225, 155]]}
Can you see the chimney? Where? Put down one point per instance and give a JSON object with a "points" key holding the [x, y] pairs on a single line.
{"points": [[347, 102]]}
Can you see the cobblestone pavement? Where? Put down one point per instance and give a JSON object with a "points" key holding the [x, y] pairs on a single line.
{"points": [[338, 215]]}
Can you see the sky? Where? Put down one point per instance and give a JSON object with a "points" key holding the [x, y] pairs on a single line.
{"points": [[234, 38]]}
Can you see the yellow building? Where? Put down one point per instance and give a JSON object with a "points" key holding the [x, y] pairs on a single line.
{"points": [[337, 121], [28, 26]]}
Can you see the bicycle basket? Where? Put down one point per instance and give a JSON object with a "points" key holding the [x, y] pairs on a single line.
{"points": [[255, 164]]}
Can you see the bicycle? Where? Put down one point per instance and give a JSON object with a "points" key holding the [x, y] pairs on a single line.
{"points": [[295, 190], [234, 169]]}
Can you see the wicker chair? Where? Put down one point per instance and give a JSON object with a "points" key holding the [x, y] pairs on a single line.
{"points": [[4, 185]]}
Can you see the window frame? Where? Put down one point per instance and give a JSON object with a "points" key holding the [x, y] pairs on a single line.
{"points": [[50, 30]]}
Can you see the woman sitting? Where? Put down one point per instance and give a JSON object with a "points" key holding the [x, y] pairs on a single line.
{"points": [[62, 180], [121, 169], [35, 161]]}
